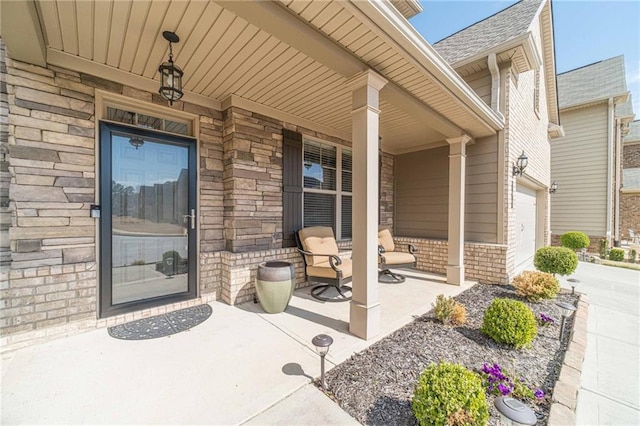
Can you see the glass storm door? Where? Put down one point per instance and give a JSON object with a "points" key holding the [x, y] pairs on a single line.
{"points": [[148, 219]]}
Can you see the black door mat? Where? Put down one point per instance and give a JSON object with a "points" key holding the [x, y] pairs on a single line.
{"points": [[161, 325]]}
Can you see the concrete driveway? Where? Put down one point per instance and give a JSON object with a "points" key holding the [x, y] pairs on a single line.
{"points": [[610, 388]]}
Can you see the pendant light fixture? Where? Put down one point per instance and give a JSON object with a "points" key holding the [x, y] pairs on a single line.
{"points": [[170, 74]]}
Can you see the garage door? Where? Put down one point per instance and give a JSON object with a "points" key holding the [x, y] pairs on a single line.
{"points": [[525, 205]]}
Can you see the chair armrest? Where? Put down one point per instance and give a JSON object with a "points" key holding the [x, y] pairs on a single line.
{"points": [[334, 260], [412, 249], [381, 250]]}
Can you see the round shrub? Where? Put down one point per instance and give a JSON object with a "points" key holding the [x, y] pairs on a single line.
{"points": [[556, 260], [535, 286], [450, 394], [616, 254], [575, 240], [510, 322], [448, 311]]}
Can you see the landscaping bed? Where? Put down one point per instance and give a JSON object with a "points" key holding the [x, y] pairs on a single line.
{"points": [[376, 385]]}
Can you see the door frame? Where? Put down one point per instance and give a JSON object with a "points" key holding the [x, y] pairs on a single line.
{"points": [[105, 308]]}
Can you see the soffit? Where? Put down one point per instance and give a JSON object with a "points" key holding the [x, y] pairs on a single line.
{"points": [[341, 22], [222, 54]]}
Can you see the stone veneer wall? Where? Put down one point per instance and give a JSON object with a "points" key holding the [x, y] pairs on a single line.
{"points": [[486, 263], [48, 281], [5, 177], [386, 191], [51, 165]]}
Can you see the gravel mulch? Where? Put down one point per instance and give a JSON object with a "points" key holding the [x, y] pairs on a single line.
{"points": [[376, 385]]}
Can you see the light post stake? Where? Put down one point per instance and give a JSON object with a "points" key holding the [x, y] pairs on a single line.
{"points": [[322, 342], [567, 310]]}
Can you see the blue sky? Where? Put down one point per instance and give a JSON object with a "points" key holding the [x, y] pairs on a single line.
{"points": [[585, 31]]}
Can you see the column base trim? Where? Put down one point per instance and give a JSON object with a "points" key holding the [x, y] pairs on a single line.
{"points": [[455, 274], [364, 320]]}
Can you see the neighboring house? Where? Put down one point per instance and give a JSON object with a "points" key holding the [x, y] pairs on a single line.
{"points": [[278, 128], [630, 191], [595, 110]]}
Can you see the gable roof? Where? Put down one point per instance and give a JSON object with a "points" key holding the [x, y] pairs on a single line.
{"points": [[492, 31], [597, 81]]}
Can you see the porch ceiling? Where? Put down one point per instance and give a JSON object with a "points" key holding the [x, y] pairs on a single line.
{"points": [[225, 50]]}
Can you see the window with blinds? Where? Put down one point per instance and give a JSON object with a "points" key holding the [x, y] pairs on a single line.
{"points": [[327, 173]]}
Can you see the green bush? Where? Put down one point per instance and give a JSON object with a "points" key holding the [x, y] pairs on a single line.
{"points": [[616, 254], [632, 255], [509, 321], [536, 285], [556, 260], [450, 394], [575, 240]]}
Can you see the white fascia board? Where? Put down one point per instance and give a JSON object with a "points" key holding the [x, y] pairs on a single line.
{"points": [[619, 98], [393, 27]]}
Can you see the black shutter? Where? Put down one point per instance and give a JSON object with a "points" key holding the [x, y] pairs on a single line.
{"points": [[291, 186]]}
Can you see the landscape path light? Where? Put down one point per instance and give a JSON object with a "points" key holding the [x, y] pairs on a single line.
{"points": [[322, 342], [514, 412], [567, 310]]}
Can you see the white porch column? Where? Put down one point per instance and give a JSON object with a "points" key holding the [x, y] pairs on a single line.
{"points": [[364, 319], [457, 157]]}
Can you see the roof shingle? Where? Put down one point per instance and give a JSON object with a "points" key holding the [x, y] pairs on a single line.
{"points": [[592, 82], [492, 31]]}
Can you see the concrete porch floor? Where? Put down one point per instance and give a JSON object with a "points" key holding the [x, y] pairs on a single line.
{"points": [[239, 365]]}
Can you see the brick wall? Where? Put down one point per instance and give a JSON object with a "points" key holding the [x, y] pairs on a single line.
{"points": [[525, 130], [630, 201], [594, 242], [631, 156], [629, 214], [484, 262]]}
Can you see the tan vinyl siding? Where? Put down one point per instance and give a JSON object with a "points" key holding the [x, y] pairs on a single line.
{"points": [[422, 192], [480, 82], [579, 165], [481, 203]]}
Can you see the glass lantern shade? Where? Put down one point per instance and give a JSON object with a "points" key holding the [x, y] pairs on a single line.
{"points": [[322, 342], [171, 81], [567, 308], [523, 161]]}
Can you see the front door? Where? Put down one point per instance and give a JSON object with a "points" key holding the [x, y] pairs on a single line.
{"points": [[148, 219]]}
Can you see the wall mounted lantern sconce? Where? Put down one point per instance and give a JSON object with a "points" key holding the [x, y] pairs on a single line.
{"points": [[553, 188], [521, 164], [322, 342], [170, 74]]}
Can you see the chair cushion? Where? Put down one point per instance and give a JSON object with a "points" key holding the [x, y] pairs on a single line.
{"points": [[386, 240], [318, 239], [398, 258], [324, 269]]}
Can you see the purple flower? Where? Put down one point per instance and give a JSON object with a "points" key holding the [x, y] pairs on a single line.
{"points": [[504, 390], [538, 393]]}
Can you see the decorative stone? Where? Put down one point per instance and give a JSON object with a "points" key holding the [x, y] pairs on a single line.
{"points": [[77, 255], [35, 193], [27, 246], [33, 153]]}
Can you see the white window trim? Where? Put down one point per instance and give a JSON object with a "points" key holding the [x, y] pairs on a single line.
{"points": [[338, 191]]}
